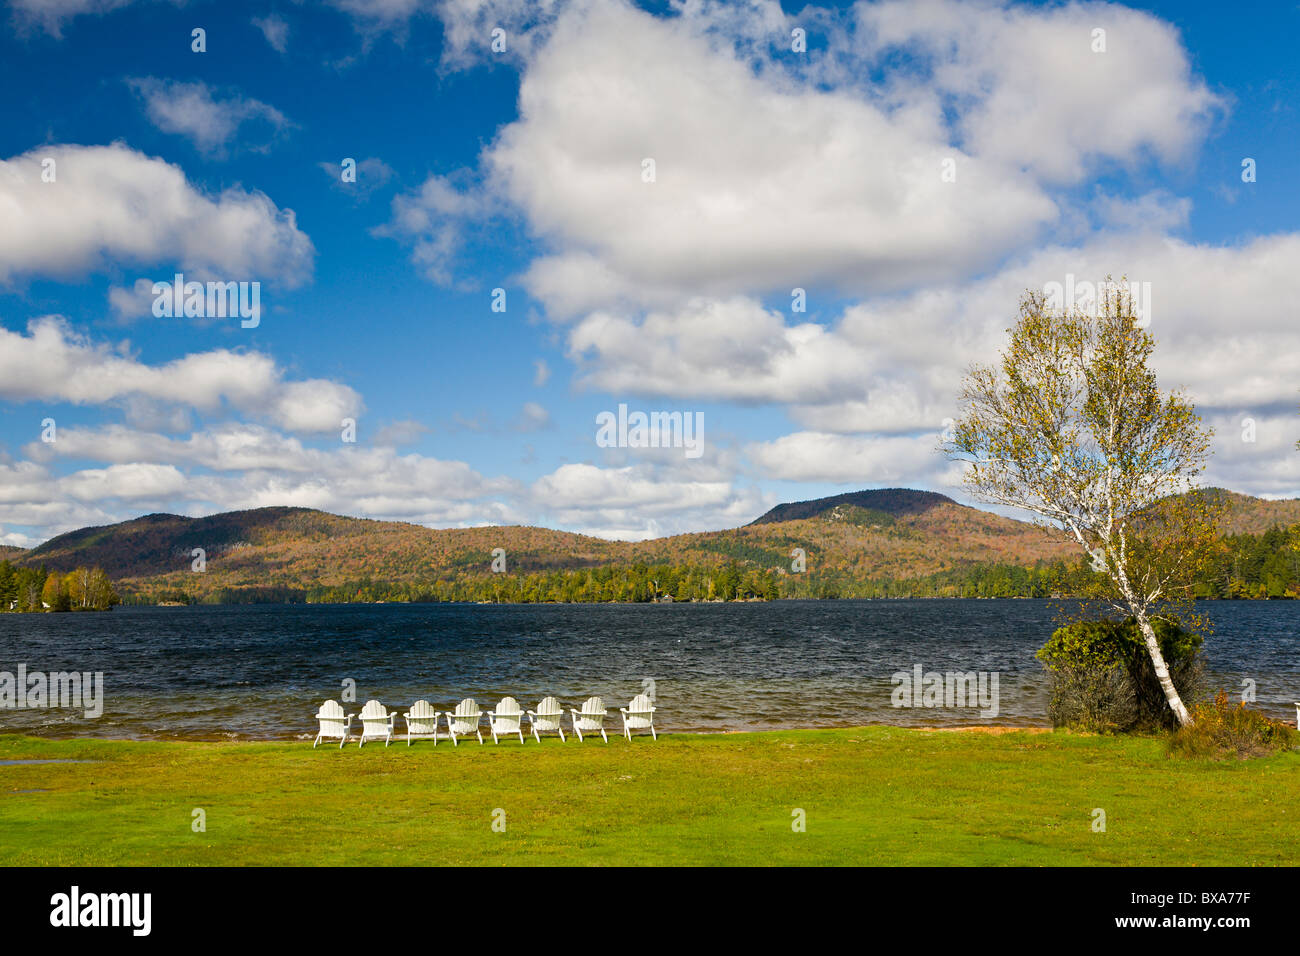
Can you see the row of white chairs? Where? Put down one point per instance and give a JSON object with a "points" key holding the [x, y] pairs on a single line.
{"points": [[422, 720]]}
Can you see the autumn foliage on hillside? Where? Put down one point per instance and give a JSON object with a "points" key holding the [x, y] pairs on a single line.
{"points": [[891, 543]]}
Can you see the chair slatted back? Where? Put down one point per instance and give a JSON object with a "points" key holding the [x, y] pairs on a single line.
{"points": [[466, 716], [422, 718], [592, 715], [422, 710], [507, 716], [640, 712]]}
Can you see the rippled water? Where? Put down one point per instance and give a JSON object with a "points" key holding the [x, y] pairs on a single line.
{"points": [[261, 672]]}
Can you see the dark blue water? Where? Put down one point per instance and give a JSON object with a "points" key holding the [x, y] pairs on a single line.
{"points": [[261, 672]]}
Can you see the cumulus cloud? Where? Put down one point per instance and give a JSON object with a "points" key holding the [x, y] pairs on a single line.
{"points": [[111, 204], [852, 459], [433, 220], [236, 465], [890, 366], [51, 363], [1036, 90], [643, 500], [768, 176], [760, 183], [208, 120]]}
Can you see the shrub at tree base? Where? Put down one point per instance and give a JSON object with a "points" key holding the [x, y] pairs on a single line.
{"points": [[1102, 680], [1223, 730]]}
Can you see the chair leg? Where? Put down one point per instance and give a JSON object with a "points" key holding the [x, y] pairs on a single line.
{"points": [[602, 733], [653, 735], [561, 729]]}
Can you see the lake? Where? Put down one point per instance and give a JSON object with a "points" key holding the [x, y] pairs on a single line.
{"points": [[259, 672]]}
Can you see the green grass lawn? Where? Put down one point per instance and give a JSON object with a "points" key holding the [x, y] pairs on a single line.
{"points": [[877, 795]]}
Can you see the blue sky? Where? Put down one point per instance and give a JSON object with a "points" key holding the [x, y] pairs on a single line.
{"points": [[523, 170]]}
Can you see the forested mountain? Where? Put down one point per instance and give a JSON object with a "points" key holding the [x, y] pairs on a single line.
{"points": [[880, 543]]}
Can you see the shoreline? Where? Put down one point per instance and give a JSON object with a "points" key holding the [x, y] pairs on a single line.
{"points": [[399, 736]]}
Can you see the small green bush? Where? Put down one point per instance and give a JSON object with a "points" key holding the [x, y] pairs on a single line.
{"points": [[1220, 730], [1102, 680]]}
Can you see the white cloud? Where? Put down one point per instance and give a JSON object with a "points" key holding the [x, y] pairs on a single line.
{"points": [[53, 364], [853, 459], [728, 349], [644, 500], [132, 302], [768, 177], [1157, 211], [761, 183], [209, 122], [111, 204], [1033, 92], [129, 482], [52, 15], [433, 220], [276, 30]]}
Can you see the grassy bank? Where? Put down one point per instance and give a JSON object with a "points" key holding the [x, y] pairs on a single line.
{"points": [[871, 796]]}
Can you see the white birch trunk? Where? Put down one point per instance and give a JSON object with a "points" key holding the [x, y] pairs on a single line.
{"points": [[1162, 671]]}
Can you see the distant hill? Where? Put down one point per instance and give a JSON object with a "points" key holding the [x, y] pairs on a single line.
{"points": [[9, 552], [895, 502], [1248, 515], [884, 536], [271, 544]]}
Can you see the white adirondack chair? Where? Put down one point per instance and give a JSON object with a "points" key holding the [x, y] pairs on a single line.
{"points": [[591, 718], [546, 719], [421, 722], [376, 722], [464, 721], [333, 722], [505, 719], [638, 715]]}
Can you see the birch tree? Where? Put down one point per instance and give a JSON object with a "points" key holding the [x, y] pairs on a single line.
{"points": [[1071, 426]]}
